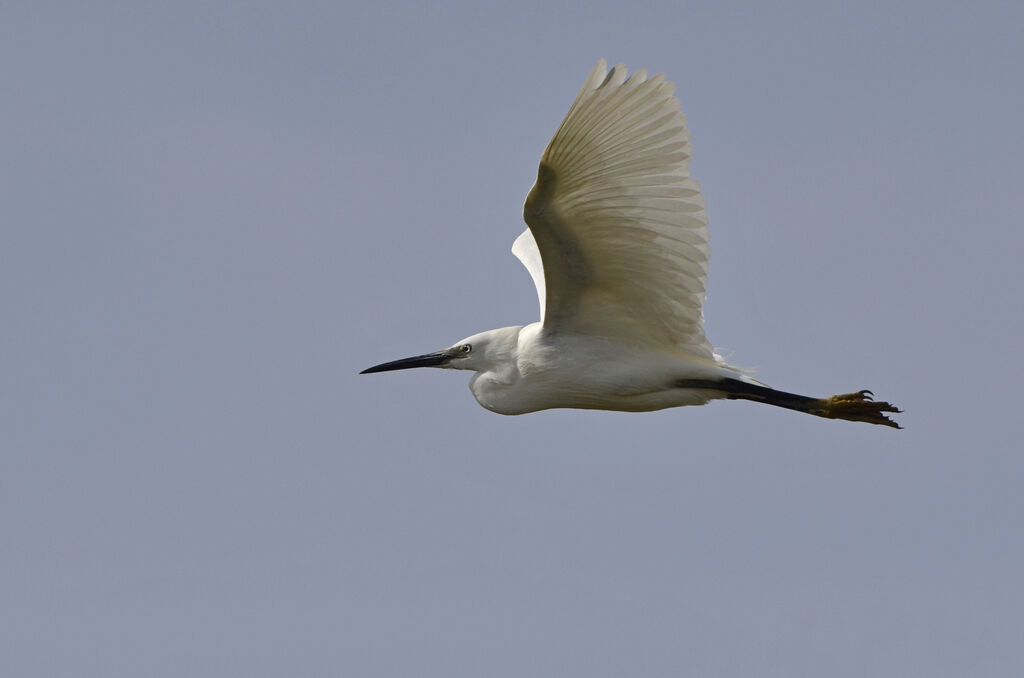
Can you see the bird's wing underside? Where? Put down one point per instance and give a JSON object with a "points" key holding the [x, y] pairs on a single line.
{"points": [[617, 220]]}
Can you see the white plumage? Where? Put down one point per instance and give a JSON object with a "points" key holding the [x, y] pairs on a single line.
{"points": [[617, 246], [618, 220]]}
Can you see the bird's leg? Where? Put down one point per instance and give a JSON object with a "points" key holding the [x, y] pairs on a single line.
{"points": [[859, 406]]}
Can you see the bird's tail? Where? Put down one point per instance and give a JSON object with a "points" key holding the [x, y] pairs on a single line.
{"points": [[859, 406]]}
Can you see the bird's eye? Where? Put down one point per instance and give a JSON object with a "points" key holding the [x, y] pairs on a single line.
{"points": [[465, 348]]}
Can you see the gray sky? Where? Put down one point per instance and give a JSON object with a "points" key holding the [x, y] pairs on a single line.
{"points": [[214, 215]]}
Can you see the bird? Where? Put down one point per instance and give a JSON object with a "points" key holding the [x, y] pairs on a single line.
{"points": [[617, 246]]}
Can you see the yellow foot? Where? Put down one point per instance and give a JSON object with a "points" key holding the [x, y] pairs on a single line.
{"points": [[859, 406]]}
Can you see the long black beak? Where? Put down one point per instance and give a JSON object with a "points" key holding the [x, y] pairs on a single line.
{"points": [[428, 360]]}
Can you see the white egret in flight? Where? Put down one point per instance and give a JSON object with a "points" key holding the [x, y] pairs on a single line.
{"points": [[617, 246]]}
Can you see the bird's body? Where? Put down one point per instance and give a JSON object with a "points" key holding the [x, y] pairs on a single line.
{"points": [[617, 247], [526, 369]]}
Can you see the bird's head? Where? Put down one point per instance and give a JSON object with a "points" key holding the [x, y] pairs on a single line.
{"points": [[479, 352]]}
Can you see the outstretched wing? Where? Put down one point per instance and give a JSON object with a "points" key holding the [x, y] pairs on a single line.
{"points": [[617, 220]]}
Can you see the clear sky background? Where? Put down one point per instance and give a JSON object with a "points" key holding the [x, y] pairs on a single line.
{"points": [[213, 215]]}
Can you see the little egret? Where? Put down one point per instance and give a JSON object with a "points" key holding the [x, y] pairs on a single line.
{"points": [[617, 246]]}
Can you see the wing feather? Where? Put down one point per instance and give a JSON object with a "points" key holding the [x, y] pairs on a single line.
{"points": [[619, 224]]}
